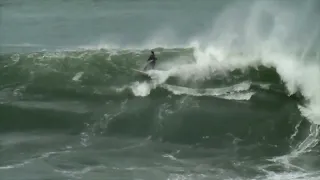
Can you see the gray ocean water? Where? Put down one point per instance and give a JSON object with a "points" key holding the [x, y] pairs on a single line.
{"points": [[235, 94]]}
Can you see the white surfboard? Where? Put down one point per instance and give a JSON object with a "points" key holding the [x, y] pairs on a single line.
{"points": [[141, 72]]}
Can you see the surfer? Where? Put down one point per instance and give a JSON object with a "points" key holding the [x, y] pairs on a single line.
{"points": [[151, 60]]}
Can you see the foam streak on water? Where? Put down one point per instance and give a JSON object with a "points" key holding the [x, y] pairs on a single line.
{"points": [[235, 93]]}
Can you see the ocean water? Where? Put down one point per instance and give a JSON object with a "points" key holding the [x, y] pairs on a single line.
{"points": [[235, 94]]}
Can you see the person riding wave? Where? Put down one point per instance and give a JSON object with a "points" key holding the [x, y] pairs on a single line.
{"points": [[151, 61]]}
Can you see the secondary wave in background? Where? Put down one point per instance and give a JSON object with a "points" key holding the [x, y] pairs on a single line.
{"points": [[243, 79]]}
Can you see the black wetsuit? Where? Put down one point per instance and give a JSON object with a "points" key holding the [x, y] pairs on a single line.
{"points": [[153, 59]]}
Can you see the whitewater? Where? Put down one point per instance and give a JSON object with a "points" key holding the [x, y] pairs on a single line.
{"points": [[235, 93]]}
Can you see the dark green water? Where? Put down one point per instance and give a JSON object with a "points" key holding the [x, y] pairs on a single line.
{"points": [[241, 101]]}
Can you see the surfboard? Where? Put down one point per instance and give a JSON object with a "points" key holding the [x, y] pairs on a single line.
{"points": [[141, 72]]}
